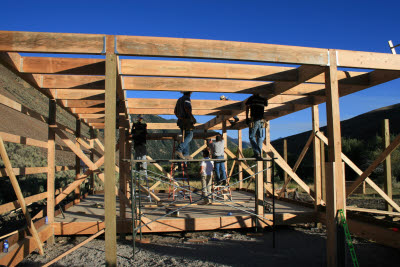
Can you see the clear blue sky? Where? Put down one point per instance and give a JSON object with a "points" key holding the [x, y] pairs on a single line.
{"points": [[352, 25]]}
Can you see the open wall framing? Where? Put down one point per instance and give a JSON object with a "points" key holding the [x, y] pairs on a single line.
{"points": [[94, 91]]}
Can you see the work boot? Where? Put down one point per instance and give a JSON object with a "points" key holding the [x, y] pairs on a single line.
{"points": [[179, 155]]}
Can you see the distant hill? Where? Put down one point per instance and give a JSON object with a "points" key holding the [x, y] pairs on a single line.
{"points": [[362, 127], [360, 138]]}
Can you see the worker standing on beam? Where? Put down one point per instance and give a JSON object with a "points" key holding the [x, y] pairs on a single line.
{"points": [[186, 121], [139, 136], [256, 104]]}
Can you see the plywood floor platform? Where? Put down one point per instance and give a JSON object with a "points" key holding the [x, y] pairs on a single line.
{"points": [[88, 216]]}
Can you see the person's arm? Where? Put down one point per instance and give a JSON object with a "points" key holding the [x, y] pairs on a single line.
{"points": [[188, 110], [247, 114]]}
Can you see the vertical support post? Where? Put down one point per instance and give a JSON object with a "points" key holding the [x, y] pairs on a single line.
{"points": [[92, 136], [109, 162], [225, 137], [317, 158], [323, 171], [240, 147], [259, 205], [122, 174], [77, 195], [51, 165], [267, 143], [335, 187], [387, 163], [285, 157], [128, 151]]}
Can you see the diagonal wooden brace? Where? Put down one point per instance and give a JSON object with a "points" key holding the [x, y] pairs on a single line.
{"points": [[20, 197], [297, 164], [360, 172]]}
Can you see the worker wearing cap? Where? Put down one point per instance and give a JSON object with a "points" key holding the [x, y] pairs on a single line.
{"points": [[139, 134], [255, 120], [186, 121], [236, 119]]}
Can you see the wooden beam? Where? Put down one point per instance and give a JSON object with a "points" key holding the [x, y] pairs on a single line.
{"points": [[83, 103], [43, 42], [109, 167], [70, 81], [165, 126], [240, 168], [20, 197], [377, 161], [316, 157], [170, 104], [271, 152], [368, 60], [53, 65], [74, 248], [78, 94], [387, 163], [77, 191], [194, 48], [335, 196], [51, 164], [360, 172], [122, 173], [297, 164], [170, 111], [285, 157], [217, 70]]}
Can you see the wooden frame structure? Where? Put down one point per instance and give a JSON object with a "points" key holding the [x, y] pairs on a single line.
{"points": [[94, 91]]}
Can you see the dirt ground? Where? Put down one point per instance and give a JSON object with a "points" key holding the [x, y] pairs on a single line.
{"points": [[295, 246]]}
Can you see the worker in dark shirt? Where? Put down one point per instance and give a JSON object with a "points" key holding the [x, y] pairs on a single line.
{"points": [[186, 121], [255, 105], [139, 135]]}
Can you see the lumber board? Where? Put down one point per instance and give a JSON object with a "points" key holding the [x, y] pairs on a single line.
{"points": [[23, 248], [20, 197], [15, 205], [170, 103], [165, 68], [54, 65], [78, 94], [360, 172], [83, 103], [74, 248], [71, 81], [109, 154], [165, 126], [368, 60], [43, 42], [211, 49], [32, 170], [383, 212]]}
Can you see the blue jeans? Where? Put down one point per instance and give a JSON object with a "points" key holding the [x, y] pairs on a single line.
{"points": [[219, 166], [257, 136], [184, 146]]}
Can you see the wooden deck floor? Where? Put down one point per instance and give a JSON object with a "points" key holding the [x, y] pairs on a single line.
{"points": [[237, 213]]}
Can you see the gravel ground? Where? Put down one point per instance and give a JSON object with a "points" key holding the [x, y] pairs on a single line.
{"points": [[300, 246]]}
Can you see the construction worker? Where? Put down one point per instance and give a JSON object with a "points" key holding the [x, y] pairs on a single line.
{"points": [[206, 171], [139, 135], [186, 122], [218, 149], [235, 118], [256, 104]]}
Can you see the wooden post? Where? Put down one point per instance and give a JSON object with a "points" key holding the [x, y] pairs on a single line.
{"points": [[51, 165], [285, 157], [20, 197], [122, 174], [225, 137], [128, 154], [109, 163], [240, 147], [259, 203], [317, 158], [92, 137], [77, 191], [335, 187], [387, 163], [323, 176], [268, 164]]}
